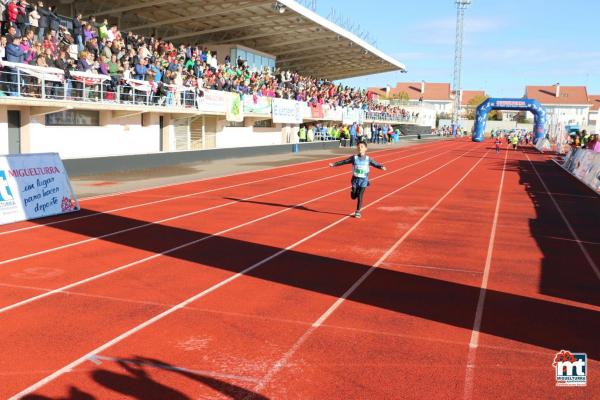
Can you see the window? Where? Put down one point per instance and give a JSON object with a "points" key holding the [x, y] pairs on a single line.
{"points": [[232, 124], [250, 58], [74, 118]]}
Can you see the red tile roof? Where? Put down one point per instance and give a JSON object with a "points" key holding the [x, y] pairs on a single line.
{"points": [[595, 101], [433, 91], [568, 94]]}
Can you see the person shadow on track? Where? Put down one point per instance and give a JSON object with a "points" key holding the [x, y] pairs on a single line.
{"points": [[136, 383]]}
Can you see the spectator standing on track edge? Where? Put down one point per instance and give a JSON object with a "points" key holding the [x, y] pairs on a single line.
{"points": [[361, 164]]}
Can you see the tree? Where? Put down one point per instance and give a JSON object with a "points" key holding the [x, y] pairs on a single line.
{"points": [[473, 104], [401, 97]]}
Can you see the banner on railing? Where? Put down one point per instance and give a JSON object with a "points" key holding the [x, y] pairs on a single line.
{"points": [[46, 73], [286, 111], [142, 86], [34, 186], [89, 78], [316, 111], [214, 101], [350, 115], [257, 105], [235, 111], [332, 114]]}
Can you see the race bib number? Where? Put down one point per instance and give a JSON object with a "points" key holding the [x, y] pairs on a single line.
{"points": [[360, 172]]}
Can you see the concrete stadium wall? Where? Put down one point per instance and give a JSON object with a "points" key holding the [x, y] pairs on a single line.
{"points": [[247, 137], [87, 166], [113, 137]]}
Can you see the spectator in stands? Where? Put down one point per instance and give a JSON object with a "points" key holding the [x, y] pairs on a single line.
{"points": [[12, 12], [34, 17], [43, 22], [103, 30], [14, 54], [53, 19], [78, 31], [3, 18], [88, 33], [594, 143], [3, 47], [83, 64], [23, 16]]}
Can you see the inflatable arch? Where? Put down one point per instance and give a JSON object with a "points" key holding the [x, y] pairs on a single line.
{"points": [[530, 105]]}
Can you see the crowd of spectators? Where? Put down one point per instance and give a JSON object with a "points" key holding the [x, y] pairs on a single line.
{"points": [[349, 134], [585, 140], [36, 35]]}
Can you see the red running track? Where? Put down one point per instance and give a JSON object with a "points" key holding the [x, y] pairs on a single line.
{"points": [[467, 273]]}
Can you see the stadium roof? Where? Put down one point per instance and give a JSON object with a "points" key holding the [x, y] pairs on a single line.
{"points": [[302, 40]]}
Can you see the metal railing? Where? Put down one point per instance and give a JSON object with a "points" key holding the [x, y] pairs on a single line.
{"points": [[15, 83]]}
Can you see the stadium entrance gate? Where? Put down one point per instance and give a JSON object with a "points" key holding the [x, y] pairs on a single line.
{"points": [[530, 105]]}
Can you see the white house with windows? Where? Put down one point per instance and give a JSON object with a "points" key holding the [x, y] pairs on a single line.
{"points": [[437, 96], [564, 104]]}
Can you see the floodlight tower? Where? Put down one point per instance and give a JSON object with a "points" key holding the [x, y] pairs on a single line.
{"points": [[461, 6]]}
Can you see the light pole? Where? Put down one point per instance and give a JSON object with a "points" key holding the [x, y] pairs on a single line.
{"points": [[461, 6]]}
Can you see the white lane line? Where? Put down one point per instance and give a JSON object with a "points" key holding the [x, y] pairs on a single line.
{"points": [[185, 245], [393, 264], [176, 217], [586, 254], [282, 362], [69, 367], [162, 200], [474, 342], [570, 240]]}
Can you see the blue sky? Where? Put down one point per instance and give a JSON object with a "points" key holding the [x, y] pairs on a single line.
{"points": [[508, 43]]}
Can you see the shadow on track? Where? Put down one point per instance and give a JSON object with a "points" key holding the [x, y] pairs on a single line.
{"points": [[135, 382], [290, 206], [565, 272], [534, 321]]}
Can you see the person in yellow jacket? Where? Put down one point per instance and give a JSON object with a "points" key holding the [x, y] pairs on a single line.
{"points": [[515, 141], [345, 135], [103, 30], [336, 132], [302, 133], [330, 132]]}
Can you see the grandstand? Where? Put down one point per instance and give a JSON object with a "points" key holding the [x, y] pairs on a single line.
{"points": [[82, 113]]}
